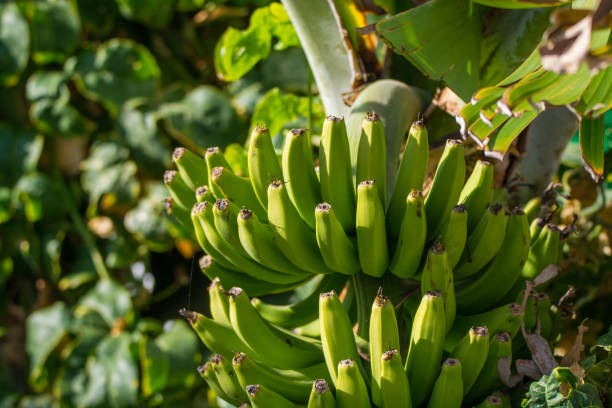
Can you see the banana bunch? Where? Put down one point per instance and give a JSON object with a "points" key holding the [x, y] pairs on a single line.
{"points": [[291, 224]]}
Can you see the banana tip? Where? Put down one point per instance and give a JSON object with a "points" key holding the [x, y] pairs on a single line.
{"points": [[188, 315], [252, 390], [169, 176], [178, 153], [388, 355], [205, 262], [321, 386]]}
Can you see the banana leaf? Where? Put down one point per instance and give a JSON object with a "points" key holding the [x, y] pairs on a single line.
{"points": [[592, 146]]}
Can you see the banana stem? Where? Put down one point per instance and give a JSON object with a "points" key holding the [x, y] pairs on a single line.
{"points": [[365, 289]]}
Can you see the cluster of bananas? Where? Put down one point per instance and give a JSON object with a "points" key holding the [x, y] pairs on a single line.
{"points": [[285, 225]]}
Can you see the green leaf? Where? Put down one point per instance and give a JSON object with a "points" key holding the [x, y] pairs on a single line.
{"points": [[55, 27], [600, 374], [98, 15], [154, 13], [154, 366], [604, 341], [19, 153], [442, 39], [597, 98], [559, 390], [14, 44], [33, 192], [111, 300], [238, 51], [592, 146], [274, 18], [502, 140], [6, 207], [180, 345], [118, 71], [520, 4], [45, 330], [236, 157]]}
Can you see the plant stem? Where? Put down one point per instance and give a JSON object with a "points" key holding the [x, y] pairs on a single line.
{"points": [[364, 288]]}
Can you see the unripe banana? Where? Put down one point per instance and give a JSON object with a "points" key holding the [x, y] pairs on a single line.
{"points": [[335, 171], [532, 208], [477, 192], [179, 190], [263, 163], [472, 351], [503, 395], [238, 190], [294, 238], [336, 248], [262, 397], [177, 211], [384, 335], [543, 252], [412, 235], [337, 335], [372, 156], [445, 187], [218, 302], [535, 228], [425, 351], [371, 234], [214, 158], [321, 396], [394, 387], [300, 175], [500, 275], [207, 373], [448, 389], [226, 378], [483, 244], [351, 390], [203, 193], [410, 175], [277, 348], [545, 316], [454, 234], [438, 276], [197, 215], [491, 401], [500, 346], [224, 215], [192, 168]]}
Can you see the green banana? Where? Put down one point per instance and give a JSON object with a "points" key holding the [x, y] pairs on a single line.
{"points": [[337, 249], [299, 173], [425, 350], [208, 374], [384, 335], [472, 351], [371, 235], [410, 175], [532, 208], [488, 380], [351, 390], [394, 386], [438, 276], [304, 311], [216, 336], [226, 378], [445, 187], [293, 236], [214, 158], [321, 396], [262, 397], [543, 252], [545, 316], [337, 335], [278, 348], [535, 228], [448, 389], [371, 155], [411, 241], [492, 401], [238, 190], [191, 167], [506, 318], [218, 302], [335, 171], [197, 214], [494, 282], [454, 234], [224, 216], [180, 213], [477, 192], [262, 162], [483, 244], [203, 193], [179, 190]]}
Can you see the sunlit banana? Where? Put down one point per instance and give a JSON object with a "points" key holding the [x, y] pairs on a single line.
{"points": [[299, 173], [384, 335], [262, 162], [351, 390], [321, 396], [371, 234], [500, 346], [208, 374], [448, 389], [532, 208], [472, 351], [394, 387], [438, 276], [454, 234], [177, 211], [238, 190], [218, 302], [335, 171], [179, 190], [294, 238], [262, 397], [543, 252], [337, 336], [224, 216], [412, 235], [535, 228], [410, 175], [203, 193], [477, 192], [425, 350], [337, 249], [226, 378], [192, 168], [280, 349], [494, 282], [482, 244], [214, 158], [371, 155], [445, 187]]}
